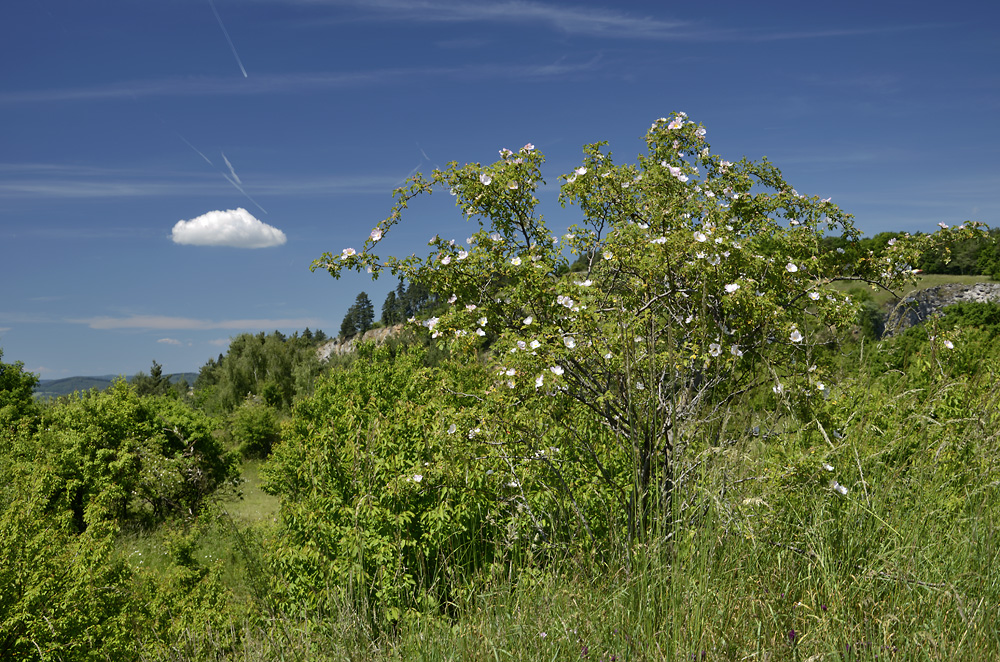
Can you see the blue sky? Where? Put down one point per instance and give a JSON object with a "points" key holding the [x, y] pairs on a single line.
{"points": [[123, 118]]}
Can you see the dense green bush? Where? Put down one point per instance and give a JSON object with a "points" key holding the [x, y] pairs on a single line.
{"points": [[254, 429], [115, 455], [377, 496]]}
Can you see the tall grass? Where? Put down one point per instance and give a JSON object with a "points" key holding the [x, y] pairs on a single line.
{"points": [[778, 565]]}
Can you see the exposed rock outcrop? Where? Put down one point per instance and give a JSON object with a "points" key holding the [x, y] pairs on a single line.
{"points": [[346, 346], [921, 304]]}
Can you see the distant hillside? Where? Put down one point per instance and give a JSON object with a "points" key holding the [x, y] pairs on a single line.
{"points": [[54, 388]]}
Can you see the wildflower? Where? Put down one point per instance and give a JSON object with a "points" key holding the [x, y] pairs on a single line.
{"points": [[463, 254], [528, 148], [715, 349], [837, 487], [510, 372], [534, 344], [516, 261], [827, 467], [700, 237], [557, 370], [528, 320], [732, 287], [480, 332], [485, 179], [659, 240], [348, 252], [608, 255], [949, 344], [453, 298], [821, 386], [736, 351], [791, 268], [814, 295], [470, 307], [376, 234], [452, 428], [944, 226], [512, 185], [446, 259], [539, 380], [580, 171], [569, 342], [778, 389], [417, 478], [676, 123], [585, 283], [796, 336]]}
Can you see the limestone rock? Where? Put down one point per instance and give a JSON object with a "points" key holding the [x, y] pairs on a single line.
{"points": [[921, 304], [346, 346]]}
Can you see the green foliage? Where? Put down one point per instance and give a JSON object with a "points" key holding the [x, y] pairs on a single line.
{"points": [[113, 455], [17, 403], [254, 428], [272, 367], [379, 501], [405, 302], [62, 596], [700, 282], [359, 317], [155, 383]]}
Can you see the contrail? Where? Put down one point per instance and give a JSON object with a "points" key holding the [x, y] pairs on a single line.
{"points": [[240, 189], [232, 171], [226, 32], [198, 151]]}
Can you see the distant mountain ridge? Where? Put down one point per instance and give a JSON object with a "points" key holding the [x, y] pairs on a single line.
{"points": [[55, 388]]}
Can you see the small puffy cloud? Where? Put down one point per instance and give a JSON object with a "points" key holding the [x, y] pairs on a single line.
{"points": [[233, 227], [169, 341]]}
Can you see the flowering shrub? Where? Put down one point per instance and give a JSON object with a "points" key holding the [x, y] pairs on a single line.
{"points": [[697, 281]]}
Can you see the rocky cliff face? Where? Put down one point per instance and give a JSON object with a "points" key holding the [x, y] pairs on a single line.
{"points": [[346, 346], [918, 306]]}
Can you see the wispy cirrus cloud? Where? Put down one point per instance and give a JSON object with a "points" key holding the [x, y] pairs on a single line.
{"points": [[169, 341], [26, 180], [574, 19], [168, 323], [291, 83]]}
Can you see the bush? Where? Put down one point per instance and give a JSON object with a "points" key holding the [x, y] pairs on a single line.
{"points": [[254, 429]]}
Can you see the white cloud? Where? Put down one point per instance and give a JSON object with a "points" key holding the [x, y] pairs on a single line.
{"points": [[233, 227], [169, 341]]}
